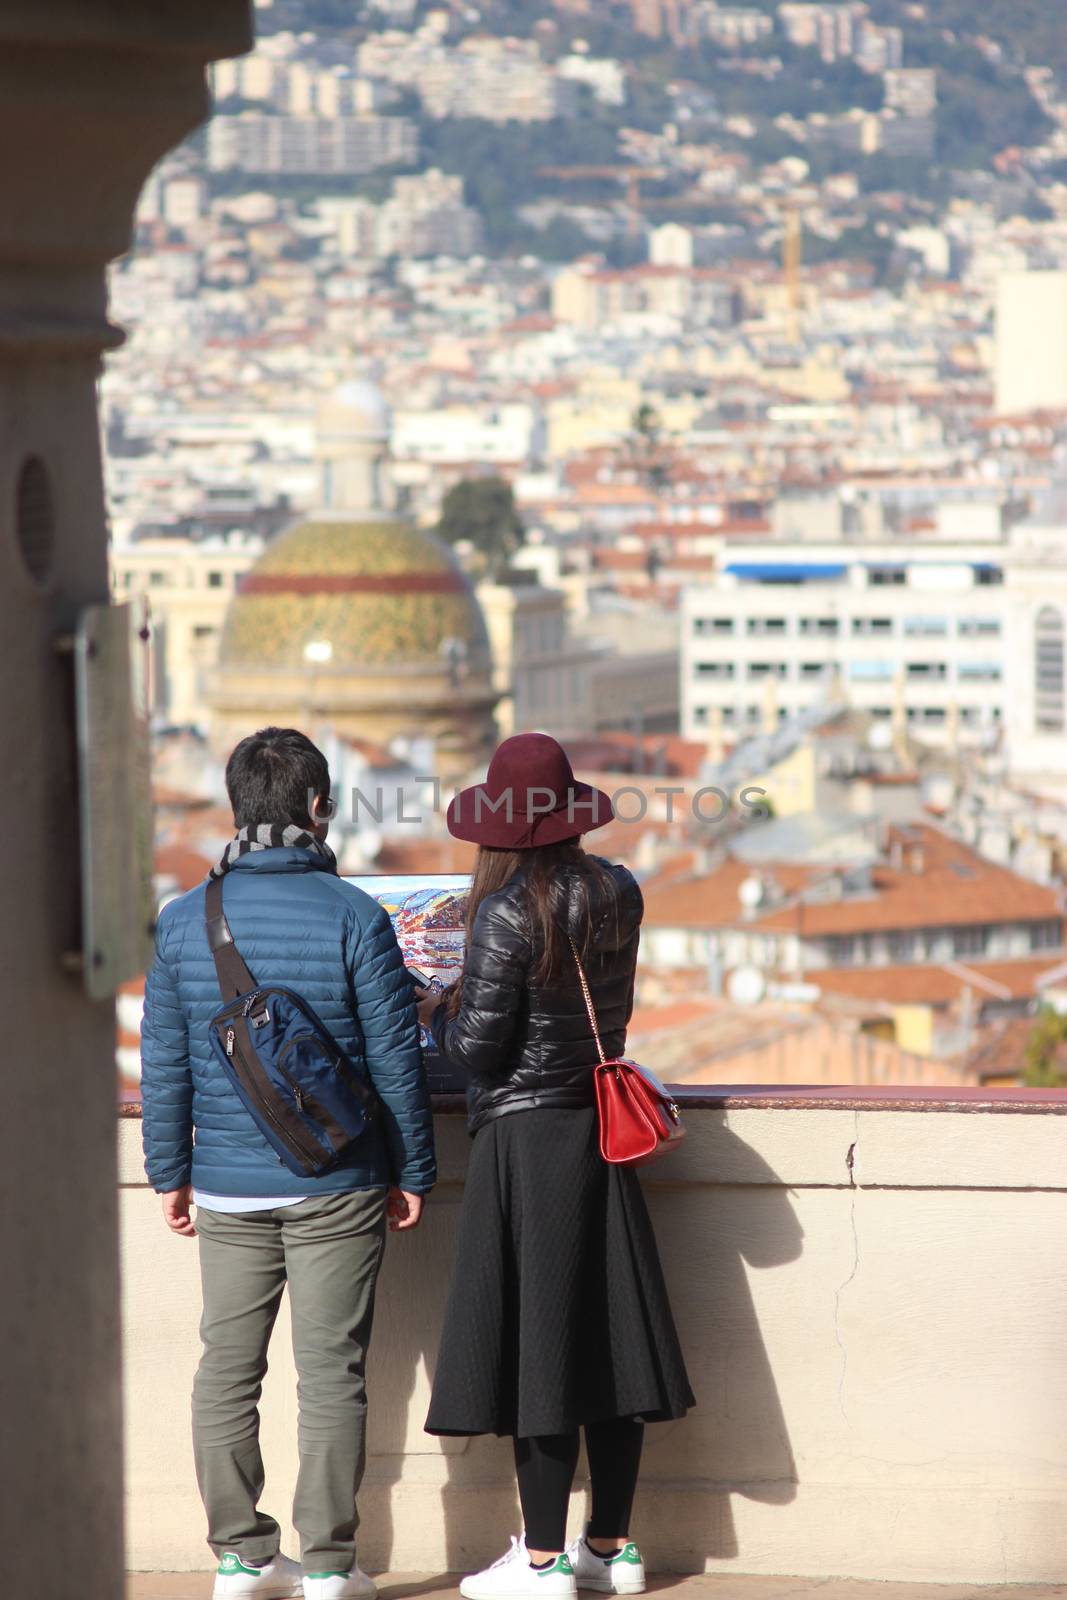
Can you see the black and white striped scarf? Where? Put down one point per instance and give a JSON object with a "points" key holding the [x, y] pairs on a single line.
{"points": [[271, 836]]}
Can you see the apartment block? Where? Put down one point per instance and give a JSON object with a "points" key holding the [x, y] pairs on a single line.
{"points": [[949, 641], [252, 142]]}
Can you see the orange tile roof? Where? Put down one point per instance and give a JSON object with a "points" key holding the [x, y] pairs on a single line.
{"points": [[619, 750], [689, 563], [939, 983], [679, 1014], [663, 529], [612, 494], [619, 839], [377, 755], [186, 867], [952, 886], [1000, 1051], [210, 819], [426, 856], [178, 799], [711, 900], [948, 885], [618, 560]]}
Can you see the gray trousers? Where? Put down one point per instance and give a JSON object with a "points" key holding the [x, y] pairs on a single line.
{"points": [[328, 1250]]}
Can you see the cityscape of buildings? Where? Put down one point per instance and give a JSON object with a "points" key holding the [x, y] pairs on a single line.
{"points": [[748, 374]]}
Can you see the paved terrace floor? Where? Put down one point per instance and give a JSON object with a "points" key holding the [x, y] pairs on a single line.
{"points": [[401, 1585]]}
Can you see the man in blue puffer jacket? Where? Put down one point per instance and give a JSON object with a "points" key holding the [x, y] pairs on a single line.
{"points": [[297, 925]]}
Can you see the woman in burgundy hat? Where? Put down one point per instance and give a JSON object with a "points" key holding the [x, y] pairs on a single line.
{"points": [[558, 1317]]}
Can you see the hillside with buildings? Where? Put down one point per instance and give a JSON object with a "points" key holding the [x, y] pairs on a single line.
{"points": [[688, 380]]}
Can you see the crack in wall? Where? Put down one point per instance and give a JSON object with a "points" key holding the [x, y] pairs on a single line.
{"points": [[850, 1162], [1002, 1534]]}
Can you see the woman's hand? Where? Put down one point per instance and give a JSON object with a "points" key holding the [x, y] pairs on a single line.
{"points": [[426, 1003]]}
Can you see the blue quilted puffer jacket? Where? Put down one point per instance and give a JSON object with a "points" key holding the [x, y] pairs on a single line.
{"points": [[296, 923]]}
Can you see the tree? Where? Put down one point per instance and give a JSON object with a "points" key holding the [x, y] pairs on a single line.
{"points": [[1045, 1054], [644, 447], [482, 510]]}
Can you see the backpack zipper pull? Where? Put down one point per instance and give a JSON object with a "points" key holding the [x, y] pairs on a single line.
{"points": [[229, 1041], [298, 1096]]}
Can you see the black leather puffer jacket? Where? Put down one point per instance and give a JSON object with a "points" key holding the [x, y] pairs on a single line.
{"points": [[524, 1046]]}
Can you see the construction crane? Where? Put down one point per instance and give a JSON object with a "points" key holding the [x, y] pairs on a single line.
{"points": [[791, 241], [631, 177]]}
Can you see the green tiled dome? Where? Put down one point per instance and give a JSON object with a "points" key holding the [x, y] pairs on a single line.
{"points": [[377, 592]]}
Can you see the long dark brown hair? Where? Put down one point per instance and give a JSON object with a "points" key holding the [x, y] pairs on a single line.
{"points": [[543, 866]]}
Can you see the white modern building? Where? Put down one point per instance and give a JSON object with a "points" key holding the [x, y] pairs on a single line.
{"points": [[734, 27], [958, 641], [605, 77], [501, 80], [184, 200], [426, 216], [672, 245], [1030, 372], [911, 91], [253, 142], [831, 26], [504, 434]]}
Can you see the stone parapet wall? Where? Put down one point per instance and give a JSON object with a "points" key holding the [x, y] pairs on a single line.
{"points": [[871, 1294]]}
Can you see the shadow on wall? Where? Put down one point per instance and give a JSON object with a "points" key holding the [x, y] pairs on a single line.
{"points": [[734, 1442], [479, 1505]]}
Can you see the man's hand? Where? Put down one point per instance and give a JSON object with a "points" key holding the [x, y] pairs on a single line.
{"points": [[403, 1210], [176, 1211]]}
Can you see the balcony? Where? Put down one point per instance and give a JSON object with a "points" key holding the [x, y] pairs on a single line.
{"points": [[871, 1292]]}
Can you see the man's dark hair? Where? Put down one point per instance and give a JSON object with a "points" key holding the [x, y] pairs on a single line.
{"points": [[272, 775]]}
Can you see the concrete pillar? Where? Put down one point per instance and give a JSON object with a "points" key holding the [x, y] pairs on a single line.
{"points": [[92, 93]]}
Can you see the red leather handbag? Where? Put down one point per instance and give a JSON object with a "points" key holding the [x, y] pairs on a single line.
{"points": [[639, 1122]]}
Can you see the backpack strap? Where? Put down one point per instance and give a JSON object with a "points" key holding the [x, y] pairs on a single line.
{"points": [[234, 976]]}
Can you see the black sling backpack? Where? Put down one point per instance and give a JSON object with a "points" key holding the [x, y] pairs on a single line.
{"points": [[301, 1090]]}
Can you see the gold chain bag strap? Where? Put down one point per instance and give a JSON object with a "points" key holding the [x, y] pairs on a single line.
{"points": [[638, 1120]]}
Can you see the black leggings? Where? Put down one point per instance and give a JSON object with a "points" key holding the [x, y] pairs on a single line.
{"points": [[545, 1468]]}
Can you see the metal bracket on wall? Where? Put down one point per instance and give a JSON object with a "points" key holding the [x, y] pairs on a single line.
{"points": [[110, 649]]}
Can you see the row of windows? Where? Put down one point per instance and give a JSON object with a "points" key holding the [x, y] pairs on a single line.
{"points": [[159, 580], [799, 575], [857, 671], [1049, 658], [931, 716], [544, 633], [860, 627], [929, 944], [1049, 671], [925, 671], [885, 577]]}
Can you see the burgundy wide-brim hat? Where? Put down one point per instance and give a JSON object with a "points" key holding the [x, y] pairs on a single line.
{"points": [[530, 797]]}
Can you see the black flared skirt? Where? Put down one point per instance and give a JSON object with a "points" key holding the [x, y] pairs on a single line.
{"points": [[557, 1312]]}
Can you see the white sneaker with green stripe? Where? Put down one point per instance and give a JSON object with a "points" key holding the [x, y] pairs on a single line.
{"points": [[513, 1576], [235, 1579], [352, 1585], [622, 1573]]}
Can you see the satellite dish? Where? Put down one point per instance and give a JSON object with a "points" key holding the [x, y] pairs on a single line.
{"points": [[746, 986], [750, 892], [880, 736]]}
